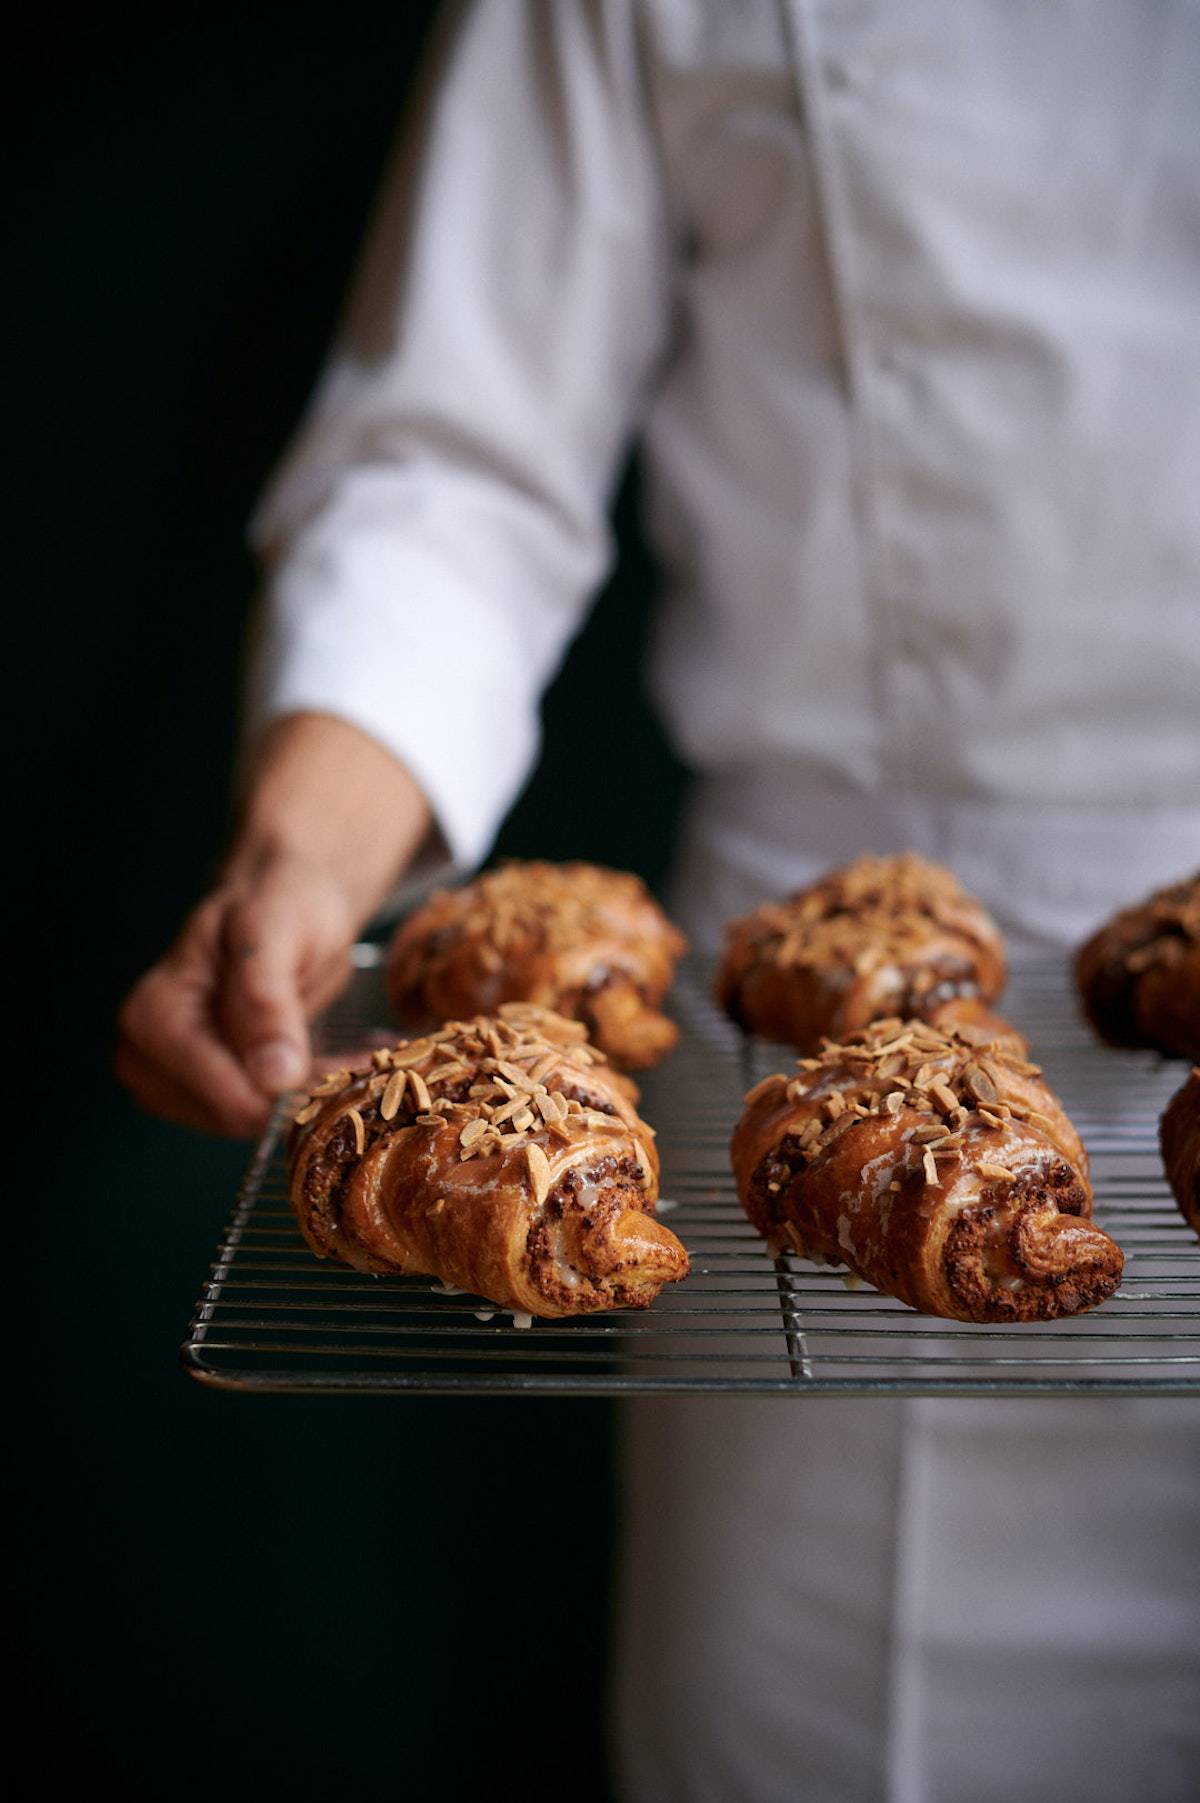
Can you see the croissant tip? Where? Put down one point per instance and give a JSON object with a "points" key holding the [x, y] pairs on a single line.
{"points": [[645, 1250]]}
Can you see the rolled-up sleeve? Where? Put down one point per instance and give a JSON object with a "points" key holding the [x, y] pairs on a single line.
{"points": [[435, 533]]}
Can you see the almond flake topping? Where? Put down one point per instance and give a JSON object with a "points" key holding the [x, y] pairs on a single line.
{"points": [[393, 1095], [332, 1083], [539, 1171], [894, 1068], [944, 1096], [444, 1073], [980, 1083]]}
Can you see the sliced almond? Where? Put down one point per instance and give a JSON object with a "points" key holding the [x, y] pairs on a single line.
{"points": [[980, 1084], [539, 1171], [334, 1081], [393, 1095], [444, 1072]]}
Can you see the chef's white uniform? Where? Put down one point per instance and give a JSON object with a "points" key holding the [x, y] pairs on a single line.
{"points": [[904, 300]]}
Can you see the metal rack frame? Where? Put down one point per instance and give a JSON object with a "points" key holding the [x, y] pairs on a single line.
{"points": [[272, 1318]]}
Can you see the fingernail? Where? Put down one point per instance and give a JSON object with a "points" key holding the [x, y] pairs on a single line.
{"points": [[275, 1066]]}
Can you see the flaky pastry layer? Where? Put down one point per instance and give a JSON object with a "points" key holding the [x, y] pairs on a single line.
{"points": [[587, 942], [1181, 1148], [502, 1154], [882, 936], [1139, 975], [943, 1172]]}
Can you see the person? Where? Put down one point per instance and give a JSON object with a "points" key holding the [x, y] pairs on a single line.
{"points": [[904, 303]]}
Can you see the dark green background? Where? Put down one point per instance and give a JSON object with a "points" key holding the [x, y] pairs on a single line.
{"points": [[226, 1596]]}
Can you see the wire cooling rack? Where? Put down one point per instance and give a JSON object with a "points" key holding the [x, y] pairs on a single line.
{"points": [[272, 1317]]}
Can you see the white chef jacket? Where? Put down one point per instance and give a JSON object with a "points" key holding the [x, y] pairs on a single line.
{"points": [[904, 301]]}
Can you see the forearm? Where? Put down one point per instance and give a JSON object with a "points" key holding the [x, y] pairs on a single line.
{"points": [[323, 794]]}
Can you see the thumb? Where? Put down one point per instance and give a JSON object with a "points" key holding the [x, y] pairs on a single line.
{"points": [[260, 1007]]}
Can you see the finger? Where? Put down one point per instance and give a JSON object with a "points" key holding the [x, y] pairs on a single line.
{"points": [[160, 1094], [322, 980], [166, 1027], [260, 1004]]}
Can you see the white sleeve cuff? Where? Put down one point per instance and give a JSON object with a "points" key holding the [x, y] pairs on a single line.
{"points": [[435, 678]]}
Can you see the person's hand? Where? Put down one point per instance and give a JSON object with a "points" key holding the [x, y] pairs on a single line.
{"points": [[219, 1026]]}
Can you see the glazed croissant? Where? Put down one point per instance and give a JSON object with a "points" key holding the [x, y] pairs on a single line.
{"points": [[941, 1172], [883, 936], [1139, 975], [1181, 1148], [503, 1155], [591, 943]]}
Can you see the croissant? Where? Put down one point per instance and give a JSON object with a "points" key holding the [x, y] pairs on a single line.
{"points": [[1139, 975], [944, 1173], [503, 1155], [1181, 1148], [881, 937], [591, 943]]}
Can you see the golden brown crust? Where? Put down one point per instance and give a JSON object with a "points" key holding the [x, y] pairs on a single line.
{"points": [[1181, 1148], [590, 943], [882, 936], [502, 1154], [1139, 975], [944, 1173]]}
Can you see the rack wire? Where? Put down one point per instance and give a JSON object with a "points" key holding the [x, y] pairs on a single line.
{"points": [[271, 1317]]}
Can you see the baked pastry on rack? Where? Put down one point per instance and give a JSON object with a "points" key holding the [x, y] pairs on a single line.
{"points": [[591, 943], [881, 936], [504, 1155], [1181, 1148], [1139, 975], [942, 1172]]}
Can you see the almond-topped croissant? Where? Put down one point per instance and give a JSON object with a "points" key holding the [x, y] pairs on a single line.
{"points": [[941, 1172], [1181, 1148], [591, 943], [503, 1155], [883, 936], [1139, 975]]}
